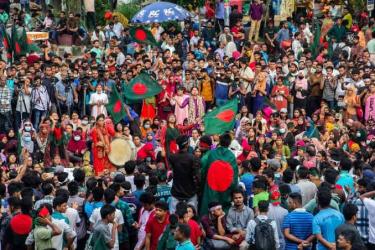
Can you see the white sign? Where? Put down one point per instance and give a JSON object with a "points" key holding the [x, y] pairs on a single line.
{"points": [[370, 5]]}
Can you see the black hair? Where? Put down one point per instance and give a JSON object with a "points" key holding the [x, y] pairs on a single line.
{"points": [[330, 175], [47, 188], [107, 210], [27, 192], [296, 197], [263, 206], [345, 164], [255, 164], [349, 236], [14, 187], [147, 198], [181, 209], [324, 196], [63, 192], [91, 183], [115, 187], [288, 175], [293, 163], [269, 172], [109, 195], [225, 140], [15, 202], [161, 205], [58, 201], [349, 211], [237, 191], [284, 189], [173, 221], [184, 230], [97, 193], [259, 184], [303, 173], [139, 180], [3, 189], [26, 205], [213, 204], [73, 188], [79, 175]]}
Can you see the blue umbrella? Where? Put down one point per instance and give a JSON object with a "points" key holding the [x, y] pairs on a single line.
{"points": [[159, 12]]}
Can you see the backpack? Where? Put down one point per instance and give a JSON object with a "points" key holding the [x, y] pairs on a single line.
{"points": [[264, 235]]}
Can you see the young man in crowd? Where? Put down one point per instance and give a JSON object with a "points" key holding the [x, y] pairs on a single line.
{"points": [[156, 225]]}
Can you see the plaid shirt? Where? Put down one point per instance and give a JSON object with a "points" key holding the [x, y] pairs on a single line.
{"points": [[362, 223], [128, 219], [5, 99]]}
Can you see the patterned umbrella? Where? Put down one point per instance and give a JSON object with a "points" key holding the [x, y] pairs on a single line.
{"points": [[159, 12]]}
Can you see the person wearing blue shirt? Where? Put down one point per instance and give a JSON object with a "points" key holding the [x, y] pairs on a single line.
{"points": [[97, 194], [297, 225], [219, 15], [345, 178], [182, 236], [326, 221]]}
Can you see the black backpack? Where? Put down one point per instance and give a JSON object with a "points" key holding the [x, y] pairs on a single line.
{"points": [[264, 235]]}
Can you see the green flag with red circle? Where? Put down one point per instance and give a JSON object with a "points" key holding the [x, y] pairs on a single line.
{"points": [[142, 35], [116, 107], [221, 119], [141, 87], [219, 168], [7, 44]]}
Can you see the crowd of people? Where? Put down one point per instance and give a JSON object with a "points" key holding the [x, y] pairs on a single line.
{"points": [[295, 172]]}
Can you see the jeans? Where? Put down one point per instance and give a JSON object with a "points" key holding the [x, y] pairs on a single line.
{"points": [[19, 119], [38, 117], [192, 201], [5, 121]]}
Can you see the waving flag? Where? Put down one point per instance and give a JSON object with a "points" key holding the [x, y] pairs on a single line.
{"points": [[221, 119], [143, 36], [142, 87], [116, 106], [7, 44]]}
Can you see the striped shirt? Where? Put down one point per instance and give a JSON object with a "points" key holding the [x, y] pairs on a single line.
{"points": [[361, 223], [5, 99], [299, 223]]}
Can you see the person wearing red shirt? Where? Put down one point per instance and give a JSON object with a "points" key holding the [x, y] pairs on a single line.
{"points": [[184, 218], [156, 225]]}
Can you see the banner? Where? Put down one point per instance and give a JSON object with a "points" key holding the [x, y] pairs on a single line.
{"points": [[370, 108], [37, 36]]}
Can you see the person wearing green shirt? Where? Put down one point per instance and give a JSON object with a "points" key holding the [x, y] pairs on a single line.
{"points": [[97, 50], [261, 194], [4, 17], [338, 31], [371, 44], [44, 229]]}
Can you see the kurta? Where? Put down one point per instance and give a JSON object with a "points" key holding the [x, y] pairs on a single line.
{"points": [[181, 112], [98, 109]]}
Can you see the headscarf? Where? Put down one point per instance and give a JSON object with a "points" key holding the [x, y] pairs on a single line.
{"points": [[311, 131], [25, 143], [153, 141], [74, 146]]}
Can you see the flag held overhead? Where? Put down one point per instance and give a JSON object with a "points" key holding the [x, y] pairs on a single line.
{"points": [[142, 87], [143, 36], [116, 106], [221, 119]]}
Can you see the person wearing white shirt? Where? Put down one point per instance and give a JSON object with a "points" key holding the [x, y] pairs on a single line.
{"points": [[370, 206], [98, 100], [109, 196], [117, 27]]}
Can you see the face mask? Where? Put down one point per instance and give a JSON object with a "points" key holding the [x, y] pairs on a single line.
{"points": [[85, 122], [27, 128], [146, 126], [282, 130], [27, 138], [358, 134], [77, 138]]}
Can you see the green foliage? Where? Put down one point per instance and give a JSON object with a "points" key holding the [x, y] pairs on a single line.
{"points": [[128, 10]]}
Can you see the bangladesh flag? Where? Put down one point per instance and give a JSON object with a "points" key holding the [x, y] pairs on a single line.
{"points": [[314, 48], [16, 46], [220, 173], [221, 119], [6, 44], [116, 106], [142, 87], [143, 36]]}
